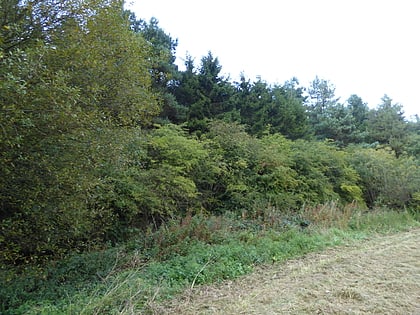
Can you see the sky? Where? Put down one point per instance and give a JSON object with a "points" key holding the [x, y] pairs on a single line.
{"points": [[364, 47]]}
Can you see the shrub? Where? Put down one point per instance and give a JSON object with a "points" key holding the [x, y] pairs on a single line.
{"points": [[385, 179]]}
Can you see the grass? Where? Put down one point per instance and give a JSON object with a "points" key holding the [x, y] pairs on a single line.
{"points": [[197, 250], [376, 276]]}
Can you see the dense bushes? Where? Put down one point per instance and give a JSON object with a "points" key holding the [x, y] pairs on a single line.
{"points": [[135, 177], [64, 116], [385, 179], [83, 161], [140, 177]]}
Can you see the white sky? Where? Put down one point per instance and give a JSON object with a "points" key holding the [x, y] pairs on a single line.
{"points": [[364, 47]]}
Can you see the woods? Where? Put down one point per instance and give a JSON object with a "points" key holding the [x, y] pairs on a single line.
{"points": [[102, 136]]}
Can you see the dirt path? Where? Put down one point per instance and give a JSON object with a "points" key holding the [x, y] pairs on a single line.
{"points": [[378, 276]]}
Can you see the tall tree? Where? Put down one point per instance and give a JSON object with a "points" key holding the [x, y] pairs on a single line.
{"points": [[164, 70], [337, 124], [62, 100], [26, 21], [321, 99], [359, 110], [109, 64], [216, 87], [321, 96], [387, 125], [257, 100], [291, 119], [203, 91], [186, 88]]}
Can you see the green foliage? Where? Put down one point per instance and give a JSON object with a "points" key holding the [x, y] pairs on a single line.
{"points": [[204, 92], [274, 179], [150, 180], [325, 173], [164, 71], [61, 101], [321, 99], [387, 126], [110, 66], [415, 203], [412, 146], [384, 220], [250, 172], [163, 47], [337, 124], [287, 115], [173, 158], [386, 179], [42, 155], [233, 152], [55, 280], [329, 119], [277, 109], [84, 162], [359, 111]]}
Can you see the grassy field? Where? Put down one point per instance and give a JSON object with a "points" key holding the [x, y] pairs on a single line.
{"points": [[186, 255], [377, 276]]}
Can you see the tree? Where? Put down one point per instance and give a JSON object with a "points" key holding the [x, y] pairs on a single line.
{"points": [[215, 86], [164, 70], [339, 125], [387, 125], [413, 137], [385, 179], [321, 98], [290, 118], [109, 64], [24, 22], [360, 113], [255, 102], [186, 89], [62, 102], [358, 109], [203, 91]]}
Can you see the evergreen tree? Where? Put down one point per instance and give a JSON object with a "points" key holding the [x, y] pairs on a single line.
{"points": [[203, 91], [387, 125], [291, 119], [164, 70], [360, 113], [321, 98]]}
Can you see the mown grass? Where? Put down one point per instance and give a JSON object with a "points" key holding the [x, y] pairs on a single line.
{"points": [[196, 250]]}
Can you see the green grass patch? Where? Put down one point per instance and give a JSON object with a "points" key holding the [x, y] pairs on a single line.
{"points": [[384, 221], [182, 254]]}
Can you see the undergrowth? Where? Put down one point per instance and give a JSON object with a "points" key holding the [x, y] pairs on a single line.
{"points": [[199, 249]]}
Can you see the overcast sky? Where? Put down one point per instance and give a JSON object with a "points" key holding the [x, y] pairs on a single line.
{"points": [[364, 47]]}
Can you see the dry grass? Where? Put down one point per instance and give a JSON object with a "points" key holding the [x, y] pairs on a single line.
{"points": [[379, 276], [331, 214]]}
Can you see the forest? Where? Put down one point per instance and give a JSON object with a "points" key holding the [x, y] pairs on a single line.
{"points": [[102, 137], [124, 179]]}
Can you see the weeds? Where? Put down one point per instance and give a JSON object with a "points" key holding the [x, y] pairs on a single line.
{"points": [[331, 214]]}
